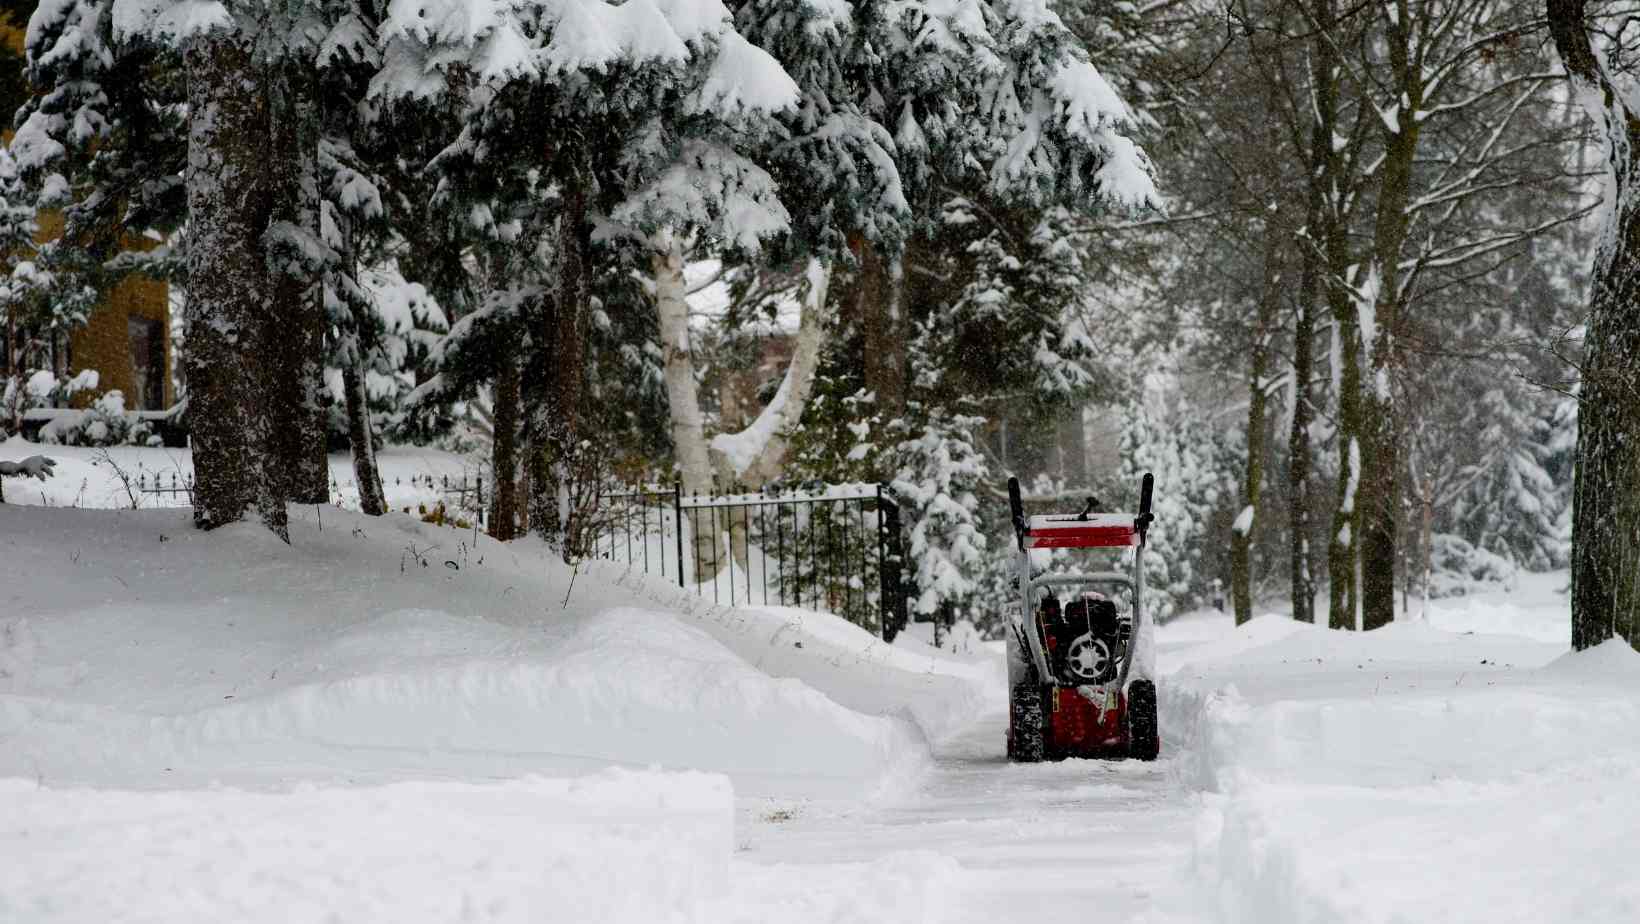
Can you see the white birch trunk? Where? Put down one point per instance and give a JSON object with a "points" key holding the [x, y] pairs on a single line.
{"points": [[678, 363], [757, 455]]}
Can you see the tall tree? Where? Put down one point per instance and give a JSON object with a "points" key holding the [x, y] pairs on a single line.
{"points": [[1606, 495], [105, 130]]}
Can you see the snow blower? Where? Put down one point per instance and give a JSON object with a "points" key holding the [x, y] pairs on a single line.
{"points": [[1081, 675]]}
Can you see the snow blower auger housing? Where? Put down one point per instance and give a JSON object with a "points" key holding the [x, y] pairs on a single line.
{"points": [[1081, 670]]}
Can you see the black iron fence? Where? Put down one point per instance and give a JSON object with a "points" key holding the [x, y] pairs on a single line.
{"points": [[839, 549], [172, 490], [465, 495]]}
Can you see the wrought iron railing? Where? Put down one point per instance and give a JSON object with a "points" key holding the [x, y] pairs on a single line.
{"points": [[839, 549]]}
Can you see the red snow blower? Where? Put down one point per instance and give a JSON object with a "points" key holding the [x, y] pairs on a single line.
{"points": [[1081, 675]]}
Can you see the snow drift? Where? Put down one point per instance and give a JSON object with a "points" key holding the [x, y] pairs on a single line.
{"points": [[138, 650], [1409, 773], [612, 847]]}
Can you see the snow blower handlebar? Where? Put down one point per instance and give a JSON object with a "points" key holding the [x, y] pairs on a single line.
{"points": [[1142, 521], [1016, 506]]}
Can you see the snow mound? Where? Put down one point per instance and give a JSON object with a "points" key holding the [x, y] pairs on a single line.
{"points": [[613, 847], [151, 654], [939, 691], [1409, 774], [1612, 659], [628, 686]]}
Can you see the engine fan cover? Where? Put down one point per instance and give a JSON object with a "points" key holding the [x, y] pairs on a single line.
{"points": [[1089, 660]]}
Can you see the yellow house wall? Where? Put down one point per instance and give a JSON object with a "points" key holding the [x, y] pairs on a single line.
{"points": [[104, 343]]}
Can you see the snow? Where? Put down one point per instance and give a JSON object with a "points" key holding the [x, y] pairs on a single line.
{"points": [[1410, 773], [172, 20], [85, 478], [335, 728], [332, 729], [369, 637], [740, 449], [406, 851]]}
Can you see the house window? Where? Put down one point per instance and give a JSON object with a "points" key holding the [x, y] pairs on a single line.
{"points": [[147, 364]]}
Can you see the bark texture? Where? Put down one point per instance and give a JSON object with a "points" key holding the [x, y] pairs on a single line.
{"points": [[1606, 494], [1299, 462], [372, 499], [678, 364], [1241, 539], [228, 207], [882, 324], [1380, 504], [554, 425], [504, 451], [357, 346], [295, 308]]}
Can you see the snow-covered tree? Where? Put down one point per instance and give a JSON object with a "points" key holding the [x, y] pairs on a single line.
{"points": [[1166, 434], [617, 115], [942, 474], [122, 81]]}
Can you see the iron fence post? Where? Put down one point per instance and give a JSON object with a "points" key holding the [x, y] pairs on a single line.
{"points": [[890, 553], [677, 512]]}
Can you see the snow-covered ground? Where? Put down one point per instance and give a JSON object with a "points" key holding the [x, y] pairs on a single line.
{"points": [[1412, 773], [390, 720], [378, 692], [99, 478]]}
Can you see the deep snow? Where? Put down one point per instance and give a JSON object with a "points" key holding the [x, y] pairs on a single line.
{"points": [[275, 732], [1412, 774], [91, 478]]}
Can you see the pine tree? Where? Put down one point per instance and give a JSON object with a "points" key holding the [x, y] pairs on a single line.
{"points": [[593, 124], [941, 476], [106, 134]]}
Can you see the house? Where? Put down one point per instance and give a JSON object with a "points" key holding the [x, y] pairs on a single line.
{"points": [[126, 339]]}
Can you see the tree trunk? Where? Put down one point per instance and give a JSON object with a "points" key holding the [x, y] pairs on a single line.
{"points": [[1341, 555], [1336, 260], [357, 346], [294, 337], [1241, 535], [1298, 438], [1380, 505], [372, 499], [227, 208], [757, 455], [678, 364], [504, 451], [1606, 491], [882, 325], [554, 430]]}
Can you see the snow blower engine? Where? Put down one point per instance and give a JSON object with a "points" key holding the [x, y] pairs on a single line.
{"points": [[1081, 674]]}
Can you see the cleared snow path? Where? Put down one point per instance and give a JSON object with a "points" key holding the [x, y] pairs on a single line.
{"points": [[1111, 839]]}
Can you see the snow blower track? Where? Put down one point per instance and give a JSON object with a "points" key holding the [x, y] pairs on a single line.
{"points": [[1077, 837]]}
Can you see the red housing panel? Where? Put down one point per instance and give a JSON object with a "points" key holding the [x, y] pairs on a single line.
{"points": [[1082, 537], [1076, 727]]}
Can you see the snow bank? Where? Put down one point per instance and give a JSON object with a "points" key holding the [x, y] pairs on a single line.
{"points": [[149, 654], [612, 847], [1408, 774], [939, 691], [626, 686]]}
